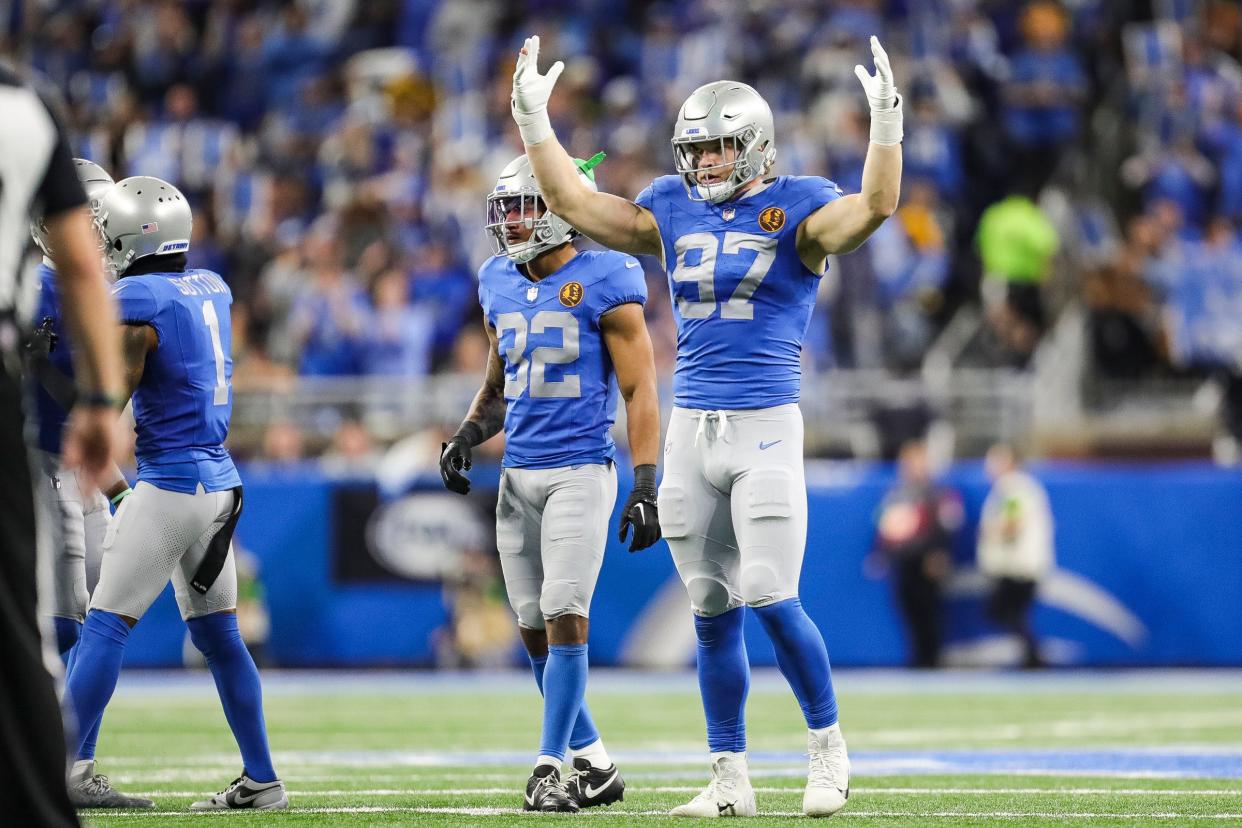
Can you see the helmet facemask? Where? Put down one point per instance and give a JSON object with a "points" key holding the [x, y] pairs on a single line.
{"points": [[750, 161], [548, 231]]}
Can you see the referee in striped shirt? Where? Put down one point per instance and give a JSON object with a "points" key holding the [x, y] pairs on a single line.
{"points": [[38, 182]]}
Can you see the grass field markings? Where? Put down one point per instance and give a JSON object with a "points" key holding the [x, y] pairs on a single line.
{"points": [[1098, 725], [855, 789], [381, 809]]}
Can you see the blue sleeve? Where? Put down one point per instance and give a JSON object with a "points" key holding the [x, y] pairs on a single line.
{"points": [[626, 282], [135, 302], [647, 197]]}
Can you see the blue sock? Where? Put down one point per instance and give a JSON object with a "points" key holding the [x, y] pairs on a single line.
{"points": [[96, 668], [584, 732], [237, 681], [564, 688], [803, 659], [724, 678], [68, 631]]}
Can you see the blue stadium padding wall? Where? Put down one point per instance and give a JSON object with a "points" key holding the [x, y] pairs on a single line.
{"points": [[1159, 544]]}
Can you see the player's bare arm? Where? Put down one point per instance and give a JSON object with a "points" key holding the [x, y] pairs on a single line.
{"points": [[842, 225], [136, 342], [614, 222], [629, 346], [484, 420], [90, 316]]}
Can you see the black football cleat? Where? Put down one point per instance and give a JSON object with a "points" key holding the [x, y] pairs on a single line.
{"points": [[546, 792], [589, 786]]}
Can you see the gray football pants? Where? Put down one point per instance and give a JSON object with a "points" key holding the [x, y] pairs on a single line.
{"points": [[157, 535], [733, 505], [76, 527], [551, 529]]}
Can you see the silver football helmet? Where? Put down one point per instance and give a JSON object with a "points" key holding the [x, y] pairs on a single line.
{"points": [[517, 191], [738, 117], [142, 216], [95, 180]]}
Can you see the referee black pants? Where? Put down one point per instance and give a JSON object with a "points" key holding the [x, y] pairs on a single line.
{"points": [[32, 742]]}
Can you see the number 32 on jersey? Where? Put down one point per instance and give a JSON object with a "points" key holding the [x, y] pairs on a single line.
{"points": [[703, 273], [523, 370]]}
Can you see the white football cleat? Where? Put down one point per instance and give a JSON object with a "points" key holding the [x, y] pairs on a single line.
{"points": [[244, 792], [729, 794], [828, 774]]}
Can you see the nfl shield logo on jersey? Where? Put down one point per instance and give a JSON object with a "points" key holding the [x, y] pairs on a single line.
{"points": [[532, 293], [728, 213]]}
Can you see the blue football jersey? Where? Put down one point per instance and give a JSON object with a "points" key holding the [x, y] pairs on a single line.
{"points": [[183, 403], [741, 296], [559, 381], [49, 415]]}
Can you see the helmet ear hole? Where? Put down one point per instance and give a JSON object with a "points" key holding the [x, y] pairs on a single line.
{"points": [[116, 244]]}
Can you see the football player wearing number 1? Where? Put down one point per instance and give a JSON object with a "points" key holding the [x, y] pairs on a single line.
{"points": [[567, 331], [744, 251], [179, 520]]}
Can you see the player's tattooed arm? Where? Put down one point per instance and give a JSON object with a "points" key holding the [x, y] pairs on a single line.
{"points": [[612, 221], [136, 342], [484, 420], [487, 412]]}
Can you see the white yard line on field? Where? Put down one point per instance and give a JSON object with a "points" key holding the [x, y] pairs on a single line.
{"points": [[856, 789], [1056, 815]]}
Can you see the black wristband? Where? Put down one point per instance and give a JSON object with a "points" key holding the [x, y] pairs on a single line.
{"points": [[97, 399], [470, 432], [645, 478]]}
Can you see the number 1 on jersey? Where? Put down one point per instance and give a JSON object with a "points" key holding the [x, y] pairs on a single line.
{"points": [[213, 326]]}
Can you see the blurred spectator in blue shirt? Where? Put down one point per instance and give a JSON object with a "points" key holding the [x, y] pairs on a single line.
{"points": [[399, 335]]}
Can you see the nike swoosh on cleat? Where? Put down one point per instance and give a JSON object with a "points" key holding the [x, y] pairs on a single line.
{"points": [[593, 792], [724, 808], [530, 801], [766, 446], [242, 800]]}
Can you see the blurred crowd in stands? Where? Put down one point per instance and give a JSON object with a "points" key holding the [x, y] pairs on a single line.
{"points": [[337, 153]]}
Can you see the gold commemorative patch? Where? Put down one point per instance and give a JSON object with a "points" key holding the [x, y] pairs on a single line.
{"points": [[772, 219], [571, 294]]}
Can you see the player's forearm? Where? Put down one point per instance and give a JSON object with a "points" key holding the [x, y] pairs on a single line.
{"points": [[881, 181], [642, 417], [113, 484], [486, 417], [559, 183], [87, 303]]}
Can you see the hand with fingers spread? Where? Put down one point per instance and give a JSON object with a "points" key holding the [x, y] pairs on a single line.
{"points": [[531, 92], [886, 117], [640, 511]]}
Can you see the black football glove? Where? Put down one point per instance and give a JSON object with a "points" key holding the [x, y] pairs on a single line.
{"points": [[455, 457], [640, 510], [42, 340]]}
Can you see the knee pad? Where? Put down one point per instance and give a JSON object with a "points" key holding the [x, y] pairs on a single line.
{"points": [[761, 585], [528, 614], [708, 596], [561, 598]]}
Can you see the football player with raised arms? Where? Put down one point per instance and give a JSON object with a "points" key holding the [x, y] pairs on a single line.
{"points": [[77, 515], [567, 333], [179, 520], [744, 250]]}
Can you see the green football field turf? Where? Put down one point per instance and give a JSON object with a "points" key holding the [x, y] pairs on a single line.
{"points": [[946, 750]]}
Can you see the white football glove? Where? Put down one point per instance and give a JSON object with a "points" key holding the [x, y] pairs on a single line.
{"points": [[531, 91], [885, 102]]}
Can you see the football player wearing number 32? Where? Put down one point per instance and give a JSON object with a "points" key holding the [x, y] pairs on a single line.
{"points": [[744, 250], [566, 330]]}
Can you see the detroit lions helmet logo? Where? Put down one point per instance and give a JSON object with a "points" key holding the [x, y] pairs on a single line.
{"points": [[772, 219], [571, 294]]}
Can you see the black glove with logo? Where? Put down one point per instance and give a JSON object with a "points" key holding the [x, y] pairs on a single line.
{"points": [[640, 510], [42, 340], [455, 457]]}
